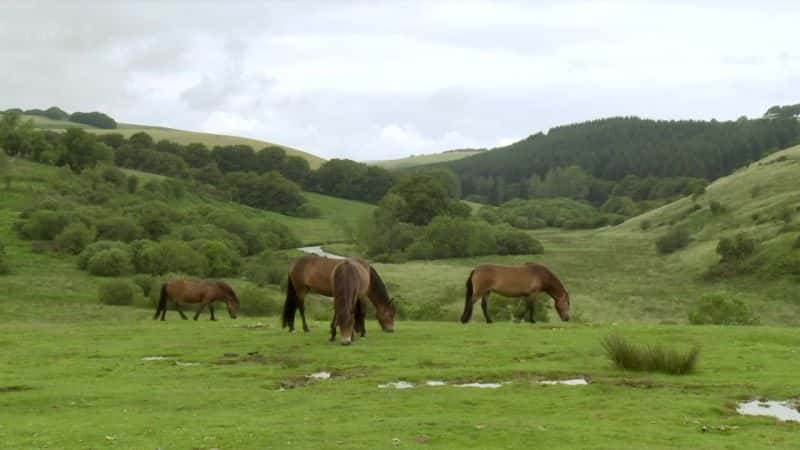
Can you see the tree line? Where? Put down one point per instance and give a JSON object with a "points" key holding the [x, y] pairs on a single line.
{"points": [[94, 118], [609, 150]]}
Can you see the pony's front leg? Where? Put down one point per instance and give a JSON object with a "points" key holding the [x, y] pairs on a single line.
{"points": [[485, 307], [211, 310], [361, 316], [199, 310]]}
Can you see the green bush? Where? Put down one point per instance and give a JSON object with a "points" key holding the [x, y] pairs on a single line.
{"points": [[96, 247], [267, 268], [117, 292], [449, 237], [222, 261], [645, 225], [650, 358], [736, 248], [44, 225], [110, 263], [119, 228], [145, 283], [717, 208], [515, 242], [308, 211], [554, 212], [674, 240], [74, 238], [718, 310], [261, 302], [158, 258]]}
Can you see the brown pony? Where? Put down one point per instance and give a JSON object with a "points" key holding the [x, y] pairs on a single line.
{"points": [[526, 281], [202, 292], [313, 273], [350, 286]]}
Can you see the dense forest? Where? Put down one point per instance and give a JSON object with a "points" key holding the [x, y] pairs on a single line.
{"points": [[629, 149]]}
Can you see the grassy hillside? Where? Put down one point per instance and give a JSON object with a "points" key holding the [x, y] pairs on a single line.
{"points": [[182, 137], [421, 160]]}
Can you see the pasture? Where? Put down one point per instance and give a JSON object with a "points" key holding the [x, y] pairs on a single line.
{"points": [[421, 160], [76, 378]]}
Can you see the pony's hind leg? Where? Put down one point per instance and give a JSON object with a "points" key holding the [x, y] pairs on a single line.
{"points": [[199, 310], [178, 307], [530, 302], [301, 305], [485, 307]]}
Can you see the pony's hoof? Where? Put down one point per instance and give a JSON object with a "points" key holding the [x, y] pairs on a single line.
{"points": [[213, 320], [490, 321]]}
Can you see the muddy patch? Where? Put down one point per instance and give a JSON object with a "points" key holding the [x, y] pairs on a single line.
{"points": [[781, 410], [257, 358], [10, 389]]}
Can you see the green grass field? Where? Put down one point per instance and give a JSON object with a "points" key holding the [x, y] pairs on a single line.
{"points": [[182, 137], [421, 160]]}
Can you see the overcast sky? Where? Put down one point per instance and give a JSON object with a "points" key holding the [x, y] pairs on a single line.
{"points": [[376, 80]]}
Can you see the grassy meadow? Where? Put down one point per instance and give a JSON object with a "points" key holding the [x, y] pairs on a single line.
{"points": [[182, 137], [74, 376]]}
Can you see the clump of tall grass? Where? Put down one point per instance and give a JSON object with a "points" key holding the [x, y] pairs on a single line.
{"points": [[649, 358]]}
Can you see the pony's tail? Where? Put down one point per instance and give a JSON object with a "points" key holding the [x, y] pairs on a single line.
{"points": [[289, 306], [467, 314], [162, 301]]}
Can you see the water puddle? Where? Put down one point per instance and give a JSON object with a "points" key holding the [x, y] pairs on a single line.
{"points": [[182, 363], [481, 385], [154, 358], [772, 408], [572, 382], [317, 250], [397, 385], [320, 375], [435, 383]]}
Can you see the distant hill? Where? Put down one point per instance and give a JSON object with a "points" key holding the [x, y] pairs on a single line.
{"points": [[180, 136], [615, 148], [421, 160]]}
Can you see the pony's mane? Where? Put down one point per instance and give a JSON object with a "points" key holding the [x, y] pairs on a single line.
{"points": [[377, 287]]}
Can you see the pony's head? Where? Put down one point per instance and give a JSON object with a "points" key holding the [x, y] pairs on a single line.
{"points": [[384, 305], [231, 300], [562, 305], [385, 313]]}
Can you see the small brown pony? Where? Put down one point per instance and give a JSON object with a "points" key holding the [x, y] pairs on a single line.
{"points": [[350, 286], [526, 281], [202, 292], [313, 273]]}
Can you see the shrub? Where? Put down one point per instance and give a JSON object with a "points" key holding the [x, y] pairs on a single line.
{"points": [[717, 310], [117, 292], [449, 237], [308, 211], [267, 268], [44, 225], [717, 208], [222, 261], [515, 242], [645, 225], [158, 258], [736, 248], [145, 283], [74, 238], [675, 239], [261, 302], [796, 244], [426, 310], [97, 247], [110, 263], [650, 358], [119, 228]]}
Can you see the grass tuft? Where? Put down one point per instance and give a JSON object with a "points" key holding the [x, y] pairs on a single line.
{"points": [[649, 358]]}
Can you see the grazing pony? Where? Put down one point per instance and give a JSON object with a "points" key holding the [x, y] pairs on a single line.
{"points": [[313, 273], [525, 280], [196, 292], [350, 285]]}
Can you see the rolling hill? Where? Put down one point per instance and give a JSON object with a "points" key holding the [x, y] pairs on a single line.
{"points": [[421, 160], [182, 137]]}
